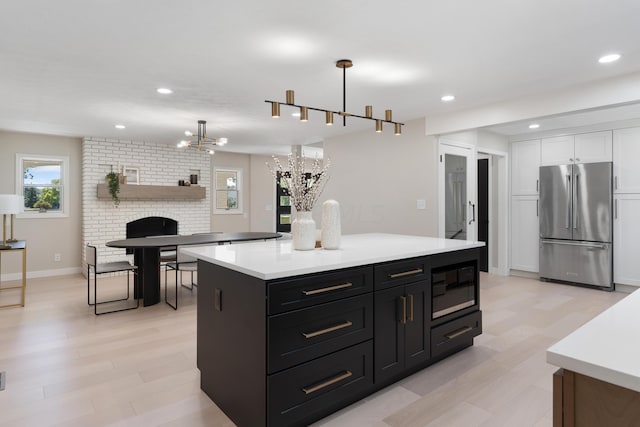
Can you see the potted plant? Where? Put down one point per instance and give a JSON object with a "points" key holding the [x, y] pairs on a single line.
{"points": [[42, 205], [113, 181]]}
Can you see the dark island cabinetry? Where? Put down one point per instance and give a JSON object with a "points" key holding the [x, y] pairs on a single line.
{"points": [[291, 350]]}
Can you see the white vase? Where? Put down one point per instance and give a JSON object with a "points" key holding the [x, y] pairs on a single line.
{"points": [[303, 231], [331, 225]]}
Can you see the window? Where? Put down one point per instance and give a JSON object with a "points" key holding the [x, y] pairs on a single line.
{"points": [[228, 189], [42, 180]]}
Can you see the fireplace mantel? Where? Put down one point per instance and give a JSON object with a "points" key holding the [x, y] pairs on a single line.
{"points": [[154, 192]]}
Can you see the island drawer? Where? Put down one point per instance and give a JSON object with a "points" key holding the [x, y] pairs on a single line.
{"points": [[301, 335], [305, 291], [455, 333], [315, 389], [396, 273]]}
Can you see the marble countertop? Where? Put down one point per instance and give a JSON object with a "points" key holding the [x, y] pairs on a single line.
{"points": [[277, 259], [607, 347]]}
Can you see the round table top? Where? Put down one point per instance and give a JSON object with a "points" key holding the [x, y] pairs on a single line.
{"points": [[193, 239]]}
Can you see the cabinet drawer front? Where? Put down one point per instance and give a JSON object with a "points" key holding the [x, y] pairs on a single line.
{"points": [[286, 295], [310, 391], [455, 333], [400, 272], [302, 335]]}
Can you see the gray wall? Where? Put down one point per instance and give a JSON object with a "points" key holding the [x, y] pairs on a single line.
{"points": [[45, 236], [377, 178]]}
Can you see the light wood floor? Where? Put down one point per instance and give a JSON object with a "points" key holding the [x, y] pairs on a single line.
{"points": [[66, 367]]}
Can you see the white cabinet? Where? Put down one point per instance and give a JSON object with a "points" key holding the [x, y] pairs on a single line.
{"points": [[558, 150], [626, 239], [593, 147], [525, 165], [582, 148], [626, 168], [524, 233]]}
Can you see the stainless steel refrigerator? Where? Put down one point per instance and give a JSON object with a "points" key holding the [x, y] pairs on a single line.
{"points": [[576, 232]]}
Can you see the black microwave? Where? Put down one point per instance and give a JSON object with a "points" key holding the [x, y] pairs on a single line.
{"points": [[453, 288]]}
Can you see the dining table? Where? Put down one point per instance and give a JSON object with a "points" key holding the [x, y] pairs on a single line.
{"points": [[146, 255]]}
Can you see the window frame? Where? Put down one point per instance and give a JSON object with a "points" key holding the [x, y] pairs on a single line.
{"points": [[230, 211], [64, 185]]}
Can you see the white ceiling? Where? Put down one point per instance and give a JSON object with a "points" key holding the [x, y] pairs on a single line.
{"points": [[78, 67]]}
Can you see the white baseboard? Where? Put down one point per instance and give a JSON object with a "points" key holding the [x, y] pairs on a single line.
{"points": [[627, 289], [42, 273], [525, 274]]}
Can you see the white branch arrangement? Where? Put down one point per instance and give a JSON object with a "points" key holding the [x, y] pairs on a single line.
{"points": [[304, 192]]}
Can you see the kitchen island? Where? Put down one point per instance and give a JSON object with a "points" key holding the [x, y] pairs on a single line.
{"points": [[599, 383], [287, 337]]}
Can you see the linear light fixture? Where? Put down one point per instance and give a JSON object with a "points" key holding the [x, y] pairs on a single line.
{"points": [[304, 110], [203, 142]]}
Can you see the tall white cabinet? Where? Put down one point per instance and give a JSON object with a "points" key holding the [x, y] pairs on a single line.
{"points": [[525, 165], [626, 199]]}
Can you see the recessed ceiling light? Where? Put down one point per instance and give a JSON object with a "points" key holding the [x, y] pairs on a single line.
{"points": [[609, 58], [448, 98], [164, 90], [534, 126], [120, 126]]}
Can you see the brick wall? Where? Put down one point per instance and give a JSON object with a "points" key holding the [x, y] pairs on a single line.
{"points": [[158, 164]]}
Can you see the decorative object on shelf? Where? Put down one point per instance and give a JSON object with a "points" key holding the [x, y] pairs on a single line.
{"points": [[303, 189], [113, 180], [331, 229], [368, 110], [203, 142], [130, 175], [193, 179], [10, 204], [181, 182]]}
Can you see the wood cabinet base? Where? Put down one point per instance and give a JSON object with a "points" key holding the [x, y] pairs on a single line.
{"points": [[580, 400]]}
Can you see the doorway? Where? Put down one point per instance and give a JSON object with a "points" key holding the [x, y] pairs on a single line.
{"points": [[483, 210]]}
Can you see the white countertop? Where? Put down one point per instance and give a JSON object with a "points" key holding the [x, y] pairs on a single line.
{"points": [[607, 347], [275, 259]]}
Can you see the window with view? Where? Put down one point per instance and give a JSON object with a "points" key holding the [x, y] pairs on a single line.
{"points": [[228, 183], [42, 181]]}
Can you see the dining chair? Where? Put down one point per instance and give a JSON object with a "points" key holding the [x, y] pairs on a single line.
{"points": [[183, 263], [94, 268]]}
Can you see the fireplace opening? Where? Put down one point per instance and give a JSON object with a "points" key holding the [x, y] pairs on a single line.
{"points": [[151, 226]]}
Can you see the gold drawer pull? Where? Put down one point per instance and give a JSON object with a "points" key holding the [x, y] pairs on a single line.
{"points": [[403, 318], [328, 289], [406, 273], [327, 383], [459, 332], [326, 331]]}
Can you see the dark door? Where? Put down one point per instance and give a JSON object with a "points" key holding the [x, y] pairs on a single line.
{"points": [[483, 212], [417, 332], [389, 333]]}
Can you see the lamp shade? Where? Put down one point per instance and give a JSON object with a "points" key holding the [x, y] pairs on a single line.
{"points": [[10, 203]]}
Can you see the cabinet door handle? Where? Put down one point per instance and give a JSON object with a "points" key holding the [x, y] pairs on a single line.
{"points": [[403, 313], [406, 273], [327, 383], [308, 335], [328, 289], [537, 185], [459, 332], [473, 211], [615, 182], [410, 308], [537, 208], [615, 210]]}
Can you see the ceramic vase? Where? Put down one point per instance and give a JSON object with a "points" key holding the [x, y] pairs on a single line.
{"points": [[303, 231], [331, 224]]}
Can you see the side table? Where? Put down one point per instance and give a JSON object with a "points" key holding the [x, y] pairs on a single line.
{"points": [[19, 246]]}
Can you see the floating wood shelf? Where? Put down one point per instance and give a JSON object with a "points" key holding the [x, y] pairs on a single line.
{"points": [[154, 192]]}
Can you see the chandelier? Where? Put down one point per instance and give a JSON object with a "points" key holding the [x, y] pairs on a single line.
{"points": [[203, 142], [368, 109]]}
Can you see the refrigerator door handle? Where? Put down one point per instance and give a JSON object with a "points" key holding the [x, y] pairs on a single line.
{"points": [[566, 224], [576, 201], [574, 243], [473, 212]]}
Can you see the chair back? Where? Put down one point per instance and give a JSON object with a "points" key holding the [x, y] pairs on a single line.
{"points": [[91, 255], [182, 258]]}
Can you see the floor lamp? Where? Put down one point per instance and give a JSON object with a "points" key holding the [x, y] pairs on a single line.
{"points": [[9, 205]]}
